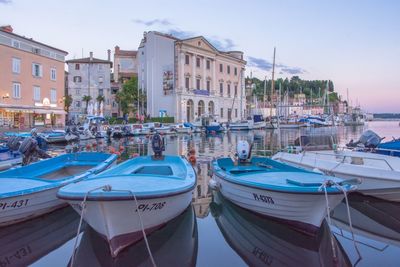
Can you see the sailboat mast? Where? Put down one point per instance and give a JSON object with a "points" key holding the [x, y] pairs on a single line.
{"points": [[272, 84]]}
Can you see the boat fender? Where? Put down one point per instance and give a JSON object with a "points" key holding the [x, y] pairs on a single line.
{"points": [[318, 171], [192, 159]]}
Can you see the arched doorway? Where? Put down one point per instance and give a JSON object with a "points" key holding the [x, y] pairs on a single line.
{"points": [[211, 108], [189, 110], [200, 108]]}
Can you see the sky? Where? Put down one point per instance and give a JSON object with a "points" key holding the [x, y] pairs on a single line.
{"points": [[354, 43]]}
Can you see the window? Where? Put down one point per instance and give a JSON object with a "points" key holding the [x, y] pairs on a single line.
{"points": [[16, 90], [36, 93], [100, 66], [77, 66], [77, 79], [53, 74], [16, 65], [78, 92], [208, 85], [235, 90], [187, 83], [221, 89], [187, 59], [198, 84], [235, 71], [15, 43], [53, 95], [221, 68], [101, 79], [108, 102], [229, 90], [208, 64], [101, 92], [77, 104], [37, 70], [228, 69], [36, 50], [236, 113], [198, 62], [221, 113]]}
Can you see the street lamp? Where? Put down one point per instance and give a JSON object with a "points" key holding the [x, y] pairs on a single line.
{"points": [[6, 96]]}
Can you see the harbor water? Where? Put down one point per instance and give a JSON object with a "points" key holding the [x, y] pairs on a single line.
{"points": [[213, 232]]}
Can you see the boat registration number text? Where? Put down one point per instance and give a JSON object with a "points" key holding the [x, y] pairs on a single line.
{"points": [[150, 207], [262, 198], [15, 204]]}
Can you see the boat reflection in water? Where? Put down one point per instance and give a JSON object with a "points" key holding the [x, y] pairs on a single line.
{"points": [[24, 243], [376, 226], [261, 241], [173, 245]]}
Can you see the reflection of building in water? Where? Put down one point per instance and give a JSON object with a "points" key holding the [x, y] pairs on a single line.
{"points": [[202, 193]]}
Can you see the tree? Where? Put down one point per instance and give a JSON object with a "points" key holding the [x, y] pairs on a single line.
{"points": [[86, 99], [67, 102], [128, 97]]}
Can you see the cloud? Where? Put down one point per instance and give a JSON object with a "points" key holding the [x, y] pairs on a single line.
{"points": [[259, 63], [265, 65], [222, 44], [180, 34], [5, 1], [163, 22]]}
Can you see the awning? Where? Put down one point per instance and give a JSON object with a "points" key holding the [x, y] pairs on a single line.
{"points": [[50, 111]]}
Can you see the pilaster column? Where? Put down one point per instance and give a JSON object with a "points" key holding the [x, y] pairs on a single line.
{"points": [[181, 77], [204, 74], [214, 77], [193, 71]]}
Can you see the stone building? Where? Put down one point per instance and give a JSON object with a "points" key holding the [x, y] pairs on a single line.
{"points": [[31, 82], [190, 78], [89, 77]]}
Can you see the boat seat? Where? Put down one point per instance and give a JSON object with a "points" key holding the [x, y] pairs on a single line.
{"points": [[156, 170]]}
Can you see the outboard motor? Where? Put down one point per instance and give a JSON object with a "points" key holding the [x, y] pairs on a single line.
{"points": [[157, 144], [29, 149], [243, 151], [13, 143]]}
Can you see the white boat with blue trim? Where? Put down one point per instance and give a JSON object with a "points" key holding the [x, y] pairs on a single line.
{"points": [[139, 195], [278, 190], [30, 191]]}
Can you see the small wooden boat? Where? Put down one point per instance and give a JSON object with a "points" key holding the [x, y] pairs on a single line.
{"points": [[277, 190], [141, 194], [30, 191], [9, 158]]}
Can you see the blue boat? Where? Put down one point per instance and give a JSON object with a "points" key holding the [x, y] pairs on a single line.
{"points": [[30, 191], [391, 148], [141, 194], [277, 190], [9, 158]]}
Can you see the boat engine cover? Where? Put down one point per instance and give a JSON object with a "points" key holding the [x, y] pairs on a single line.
{"points": [[243, 150]]}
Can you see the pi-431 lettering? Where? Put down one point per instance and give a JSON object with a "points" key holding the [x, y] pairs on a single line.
{"points": [[262, 198]]}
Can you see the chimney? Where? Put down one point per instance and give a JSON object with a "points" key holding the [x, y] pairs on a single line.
{"points": [[108, 54], [91, 56], [116, 49], [7, 28]]}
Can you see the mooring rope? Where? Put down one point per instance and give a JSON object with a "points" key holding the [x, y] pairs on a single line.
{"points": [[83, 206], [330, 183]]}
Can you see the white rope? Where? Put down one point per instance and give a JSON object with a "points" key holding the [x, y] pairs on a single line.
{"points": [[341, 188], [83, 205]]}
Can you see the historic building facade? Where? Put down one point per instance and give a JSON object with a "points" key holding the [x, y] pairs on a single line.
{"points": [[89, 77], [190, 78], [31, 82]]}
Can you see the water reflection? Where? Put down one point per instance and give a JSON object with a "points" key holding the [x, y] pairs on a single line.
{"points": [[173, 245], [24, 243], [261, 241], [256, 241]]}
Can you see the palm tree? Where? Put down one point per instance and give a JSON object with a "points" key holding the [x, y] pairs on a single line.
{"points": [[100, 99], [67, 102], [86, 99]]}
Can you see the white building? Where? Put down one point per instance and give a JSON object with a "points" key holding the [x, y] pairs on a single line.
{"points": [[189, 78], [89, 77]]}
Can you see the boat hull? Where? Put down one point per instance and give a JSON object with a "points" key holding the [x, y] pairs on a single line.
{"points": [[305, 212], [25, 207], [377, 182], [118, 220]]}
